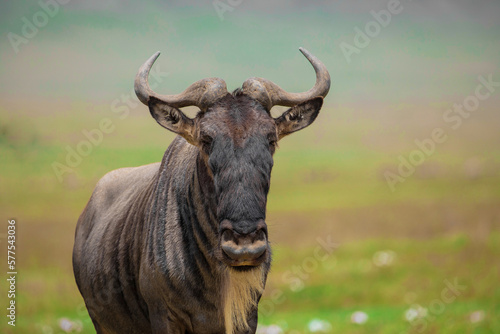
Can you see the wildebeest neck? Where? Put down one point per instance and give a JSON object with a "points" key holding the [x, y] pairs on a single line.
{"points": [[183, 213]]}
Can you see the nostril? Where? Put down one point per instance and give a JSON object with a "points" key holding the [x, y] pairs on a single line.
{"points": [[227, 235], [261, 225], [261, 234]]}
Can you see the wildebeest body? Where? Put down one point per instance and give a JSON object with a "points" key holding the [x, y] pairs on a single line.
{"points": [[181, 246]]}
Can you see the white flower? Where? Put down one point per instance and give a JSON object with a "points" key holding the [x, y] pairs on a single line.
{"points": [[65, 324], [359, 317], [414, 312], [411, 314], [317, 325], [272, 329], [384, 258], [69, 326], [476, 316]]}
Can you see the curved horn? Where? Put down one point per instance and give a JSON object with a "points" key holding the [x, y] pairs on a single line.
{"points": [[202, 93], [270, 94]]}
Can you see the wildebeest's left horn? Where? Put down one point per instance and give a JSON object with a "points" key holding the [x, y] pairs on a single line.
{"points": [[270, 94], [202, 93]]}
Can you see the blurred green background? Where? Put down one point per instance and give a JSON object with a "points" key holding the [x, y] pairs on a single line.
{"points": [[399, 243]]}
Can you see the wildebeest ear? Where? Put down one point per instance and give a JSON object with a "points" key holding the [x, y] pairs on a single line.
{"points": [[298, 117], [172, 119]]}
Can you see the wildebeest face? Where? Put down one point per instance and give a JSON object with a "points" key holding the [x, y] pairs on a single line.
{"points": [[237, 138]]}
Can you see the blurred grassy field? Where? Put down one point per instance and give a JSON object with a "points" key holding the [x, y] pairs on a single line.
{"points": [[441, 224]]}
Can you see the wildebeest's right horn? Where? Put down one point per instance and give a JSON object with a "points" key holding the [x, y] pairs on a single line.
{"points": [[202, 93], [270, 94]]}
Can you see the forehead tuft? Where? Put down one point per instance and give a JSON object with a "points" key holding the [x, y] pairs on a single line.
{"points": [[237, 116]]}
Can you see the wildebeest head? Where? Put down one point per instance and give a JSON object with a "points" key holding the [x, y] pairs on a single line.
{"points": [[237, 137]]}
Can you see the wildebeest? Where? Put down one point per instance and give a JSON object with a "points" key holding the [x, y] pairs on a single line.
{"points": [[182, 246]]}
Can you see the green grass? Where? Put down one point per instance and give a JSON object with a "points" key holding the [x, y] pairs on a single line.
{"points": [[337, 285], [348, 281]]}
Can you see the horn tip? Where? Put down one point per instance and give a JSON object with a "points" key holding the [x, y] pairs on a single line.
{"points": [[156, 55], [153, 58], [306, 53]]}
